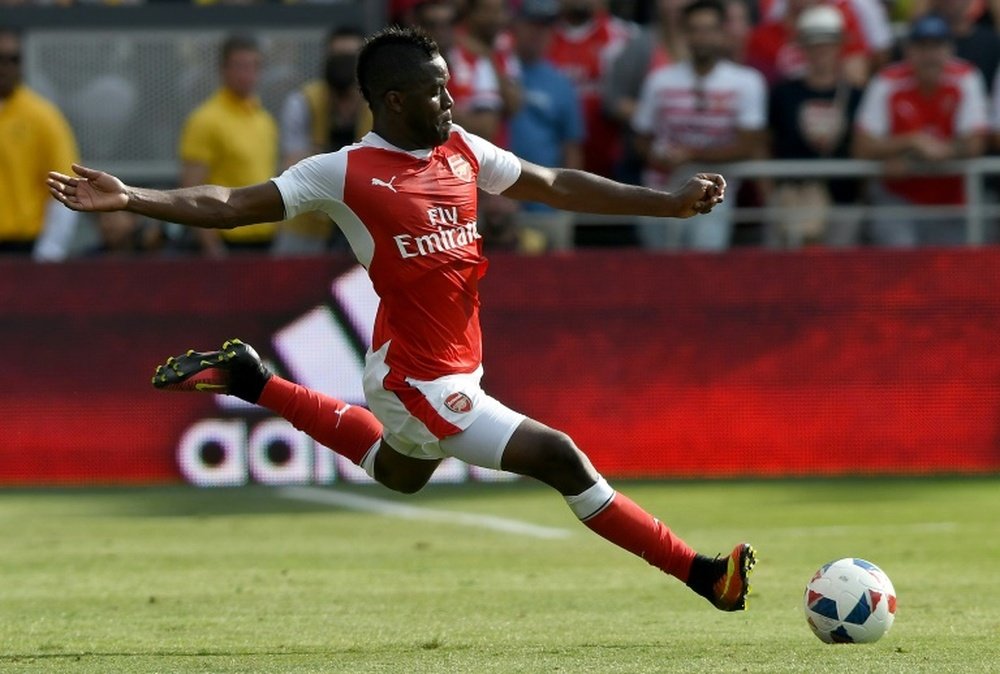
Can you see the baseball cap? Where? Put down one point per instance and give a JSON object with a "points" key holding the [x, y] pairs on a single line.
{"points": [[930, 27], [821, 23], [539, 10]]}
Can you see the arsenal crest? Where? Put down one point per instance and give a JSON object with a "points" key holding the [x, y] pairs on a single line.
{"points": [[458, 403], [461, 167]]}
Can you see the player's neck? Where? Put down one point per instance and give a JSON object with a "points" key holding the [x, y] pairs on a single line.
{"points": [[396, 137]]}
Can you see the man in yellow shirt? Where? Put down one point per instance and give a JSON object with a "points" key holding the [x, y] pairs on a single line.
{"points": [[231, 140], [33, 136]]}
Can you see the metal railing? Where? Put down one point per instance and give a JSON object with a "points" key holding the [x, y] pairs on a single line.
{"points": [[976, 211]]}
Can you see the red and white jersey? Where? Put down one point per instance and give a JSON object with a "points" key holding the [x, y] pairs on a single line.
{"points": [[473, 83], [679, 108], [893, 105], [584, 54], [410, 217]]}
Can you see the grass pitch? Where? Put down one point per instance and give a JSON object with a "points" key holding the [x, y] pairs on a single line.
{"points": [[186, 580]]}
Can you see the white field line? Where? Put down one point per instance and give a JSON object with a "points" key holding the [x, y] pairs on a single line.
{"points": [[388, 508]]}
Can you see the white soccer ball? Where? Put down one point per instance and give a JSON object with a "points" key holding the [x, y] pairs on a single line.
{"points": [[850, 601]]}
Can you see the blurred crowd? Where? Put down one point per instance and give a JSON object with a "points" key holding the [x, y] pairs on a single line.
{"points": [[643, 92]]}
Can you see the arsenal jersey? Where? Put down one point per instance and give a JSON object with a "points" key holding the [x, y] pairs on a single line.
{"points": [[410, 218]]}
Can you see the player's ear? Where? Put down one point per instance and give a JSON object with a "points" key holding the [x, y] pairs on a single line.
{"points": [[394, 100]]}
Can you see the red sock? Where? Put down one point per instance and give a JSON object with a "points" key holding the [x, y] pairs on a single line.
{"points": [[628, 526], [346, 429]]}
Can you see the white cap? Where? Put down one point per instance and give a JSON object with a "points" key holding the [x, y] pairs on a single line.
{"points": [[821, 23]]}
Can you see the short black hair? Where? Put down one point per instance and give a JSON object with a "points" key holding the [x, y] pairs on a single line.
{"points": [[704, 5], [391, 58], [235, 43]]}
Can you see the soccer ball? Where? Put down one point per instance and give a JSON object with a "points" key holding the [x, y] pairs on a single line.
{"points": [[850, 601]]}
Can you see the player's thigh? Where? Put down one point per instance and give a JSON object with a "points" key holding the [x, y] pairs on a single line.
{"points": [[483, 441]]}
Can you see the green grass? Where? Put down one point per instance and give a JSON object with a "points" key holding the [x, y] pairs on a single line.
{"points": [[186, 580]]}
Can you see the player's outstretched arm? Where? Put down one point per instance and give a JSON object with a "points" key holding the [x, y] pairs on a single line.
{"points": [[584, 192], [206, 206]]}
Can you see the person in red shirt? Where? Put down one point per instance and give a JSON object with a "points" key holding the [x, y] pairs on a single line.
{"points": [[485, 73], [405, 196], [772, 47], [584, 45], [930, 107]]}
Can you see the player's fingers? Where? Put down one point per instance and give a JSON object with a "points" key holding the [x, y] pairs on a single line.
{"points": [[85, 171], [61, 187], [62, 178]]}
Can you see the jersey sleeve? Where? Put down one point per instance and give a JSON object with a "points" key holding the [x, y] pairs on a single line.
{"points": [[295, 131], [873, 113], [973, 113], [313, 184], [753, 107], [996, 101], [498, 168]]}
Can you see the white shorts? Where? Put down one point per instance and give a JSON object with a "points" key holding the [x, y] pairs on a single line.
{"points": [[448, 416]]}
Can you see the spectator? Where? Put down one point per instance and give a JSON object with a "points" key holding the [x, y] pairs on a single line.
{"points": [[811, 117], [995, 111], [585, 43], [437, 18], [657, 45], [931, 107], [772, 49], [33, 135], [870, 16], [974, 42], [486, 89], [232, 141], [484, 72], [323, 115], [548, 129], [699, 111], [739, 23]]}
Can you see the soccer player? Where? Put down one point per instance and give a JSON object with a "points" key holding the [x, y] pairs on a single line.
{"points": [[405, 196]]}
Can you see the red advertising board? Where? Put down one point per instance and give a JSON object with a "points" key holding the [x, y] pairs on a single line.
{"points": [[743, 364]]}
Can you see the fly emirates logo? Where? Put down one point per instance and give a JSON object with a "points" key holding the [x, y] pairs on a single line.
{"points": [[450, 234]]}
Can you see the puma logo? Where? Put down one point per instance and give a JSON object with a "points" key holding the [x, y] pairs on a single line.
{"points": [[378, 182], [347, 406]]}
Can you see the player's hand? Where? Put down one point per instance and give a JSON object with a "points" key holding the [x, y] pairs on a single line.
{"points": [[700, 194], [92, 190]]}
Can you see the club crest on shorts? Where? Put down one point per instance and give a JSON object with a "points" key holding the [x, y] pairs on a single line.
{"points": [[458, 403], [461, 167]]}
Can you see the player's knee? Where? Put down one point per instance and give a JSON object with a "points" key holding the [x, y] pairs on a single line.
{"points": [[558, 456]]}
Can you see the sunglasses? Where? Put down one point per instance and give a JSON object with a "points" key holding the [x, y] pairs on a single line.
{"points": [[12, 59]]}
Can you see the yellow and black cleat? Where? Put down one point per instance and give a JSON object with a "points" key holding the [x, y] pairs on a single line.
{"points": [[235, 369]]}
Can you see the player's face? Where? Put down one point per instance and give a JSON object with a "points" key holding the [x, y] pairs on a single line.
{"points": [[10, 64], [427, 105]]}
